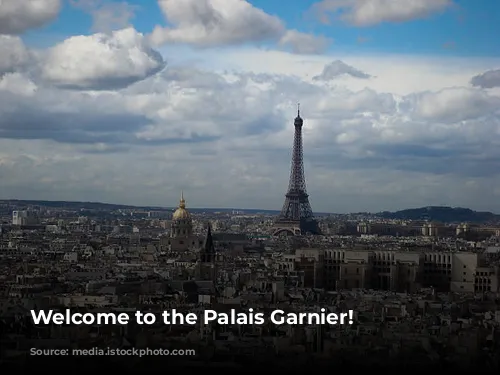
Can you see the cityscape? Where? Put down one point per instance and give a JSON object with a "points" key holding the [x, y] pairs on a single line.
{"points": [[414, 284], [94, 146]]}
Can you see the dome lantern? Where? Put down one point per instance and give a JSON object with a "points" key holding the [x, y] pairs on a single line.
{"points": [[181, 213]]}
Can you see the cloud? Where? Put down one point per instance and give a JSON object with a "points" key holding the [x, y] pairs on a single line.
{"points": [[339, 68], [454, 105], [101, 61], [305, 44], [17, 84], [369, 144], [372, 12], [14, 54], [215, 22], [487, 80], [20, 15], [107, 15], [208, 23]]}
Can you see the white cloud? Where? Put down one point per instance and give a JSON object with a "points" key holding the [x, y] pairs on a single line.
{"points": [[487, 80], [339, 68], [372, 12], [17, 84], [208, 23], [101, 60], [14, 54], [403, 76], [392, 141], [17, 16], [456, 104], [305, 44], [215, 22]]}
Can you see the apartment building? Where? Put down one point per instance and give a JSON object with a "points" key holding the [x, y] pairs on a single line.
{"points": [[337, 269], [26, 217]]}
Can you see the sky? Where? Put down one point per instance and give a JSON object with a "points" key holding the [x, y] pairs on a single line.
{"points": [[132, 102]]}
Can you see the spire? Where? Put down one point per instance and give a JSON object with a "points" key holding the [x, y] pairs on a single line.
{"points": [[182, 203], [209, 247], [298, 120]]}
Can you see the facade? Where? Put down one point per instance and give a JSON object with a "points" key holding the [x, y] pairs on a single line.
{"points": [[181, 237], [24, 218], [339, 269], [416, 228]]}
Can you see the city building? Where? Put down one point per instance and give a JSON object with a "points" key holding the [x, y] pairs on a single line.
{"points": [[181, 237], [26, 217]]}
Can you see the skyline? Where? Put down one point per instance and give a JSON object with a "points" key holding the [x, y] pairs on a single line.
{"points": [[249, 211], [99, 101]]}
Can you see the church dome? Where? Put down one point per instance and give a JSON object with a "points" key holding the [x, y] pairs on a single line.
{"points": [[181, 213]]}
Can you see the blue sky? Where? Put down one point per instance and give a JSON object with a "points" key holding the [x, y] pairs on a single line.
{"points": [[131, 103], [467, 28]]}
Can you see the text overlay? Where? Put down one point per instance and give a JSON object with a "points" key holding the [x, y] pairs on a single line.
{"points": [[278, 317]]}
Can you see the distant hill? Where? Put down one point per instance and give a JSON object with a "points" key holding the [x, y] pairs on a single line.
{"points": [[442, 214], [434, 213], [69, 205], [72, 205]]}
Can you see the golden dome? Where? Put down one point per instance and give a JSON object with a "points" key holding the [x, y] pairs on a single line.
{"points": [[181, 213]]}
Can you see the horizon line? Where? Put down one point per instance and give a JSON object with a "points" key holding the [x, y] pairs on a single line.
{"points": [[233, 208]]}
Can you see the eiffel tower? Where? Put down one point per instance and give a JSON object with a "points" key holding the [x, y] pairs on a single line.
{"points": [[296, 217]]}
